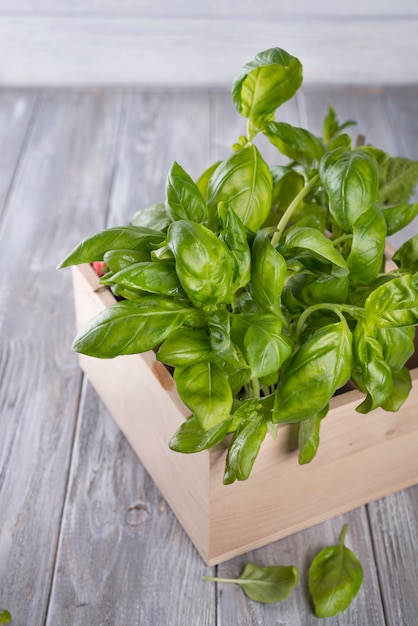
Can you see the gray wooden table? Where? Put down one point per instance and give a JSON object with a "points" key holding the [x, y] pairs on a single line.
{"points": [[85, 537]]}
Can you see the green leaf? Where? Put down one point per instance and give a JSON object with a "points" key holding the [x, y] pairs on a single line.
{"points": [[335, 578], [132, 326], [394, 303], [407, 256], [244, 448], [331, 126], [154, 216], [402, 385], [269, 80], [351, 181], [376, 375], [203, 263], [5, 617], [157, 277], [191, 438], [119, 238], [244, 182], [399, 216], [185, 346], [203, 180], [368, 246], [268, 272], [117, 260], [286, 185], [397, 345], [235, 237], [205, 389], [219, 324], [309, 436], [296, 143], [262, 341], [183, 198], [319, 246], [320, 367], [398, 180], [264, 584]]}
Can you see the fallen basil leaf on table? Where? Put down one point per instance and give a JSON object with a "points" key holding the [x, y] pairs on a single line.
{"points": [[264, 584], [335, 577], [5, 617]]}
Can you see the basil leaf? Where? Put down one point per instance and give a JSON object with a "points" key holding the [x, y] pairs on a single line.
{"points": [[262, 341], [376, 374], [325, 288], [183, 198], [219, 324], [205, 389], [319, 246], [244, 448], [244, 182], [269, 80], [153, 277], [397, 345], [407, 256], [395, 303], [264, 584], [203, 263], [154, 216], [335, 578], [191, 438], [119, 238], [268, 272], [309, 436], [402, 385], [5, 617], [331, 126], [399, 216], [296, 143], [368, 246], [351, 182], [185, 346], [301, 392], [235, 237], [132, 326], [203, 180], [399, 177], [117, 260]]}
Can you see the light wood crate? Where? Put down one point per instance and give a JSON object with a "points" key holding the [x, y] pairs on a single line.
{"points": [[361, 457]]}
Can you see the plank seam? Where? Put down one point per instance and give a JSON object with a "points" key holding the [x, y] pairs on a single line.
{"points": [[376, 565], [116, 155]]}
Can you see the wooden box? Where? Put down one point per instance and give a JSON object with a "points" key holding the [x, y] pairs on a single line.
{"points": [[361, 457]]}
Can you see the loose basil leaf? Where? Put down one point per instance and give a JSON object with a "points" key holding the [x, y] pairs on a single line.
{"points": [[399, 216], [309, 436], [264, 584], [318, 245], [395, 303], [119, 238], [205, 389], [132, 326], [268, 272], [5, 617], [301, 392], [399, 177], [402, 385], [153, 277], [235, 237], [351, 181], [296, 143], [376, 375], [203, 263], [219, 324], [154, 216], [191, 438], [397, 345], [183, 198], [185, 346], [244, 448], [203, 180], [407, 256], [265, 83], [262, 341], [368, 246], [117, 260], [244, 182], [335, 578]]}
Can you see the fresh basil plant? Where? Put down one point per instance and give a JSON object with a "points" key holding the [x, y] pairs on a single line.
{"points": [[265, 287]]}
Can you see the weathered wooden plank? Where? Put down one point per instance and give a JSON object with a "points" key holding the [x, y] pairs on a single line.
{"points": [[299, 550], [207, 9], [60, 191], [123, 557], [73, 50], [16, 109], [393, 519]]}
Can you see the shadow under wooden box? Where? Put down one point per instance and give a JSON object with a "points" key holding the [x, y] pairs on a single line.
{"points": [[361, 457]]}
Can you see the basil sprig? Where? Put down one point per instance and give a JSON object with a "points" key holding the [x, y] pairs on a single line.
{"points": [[265, 287]]}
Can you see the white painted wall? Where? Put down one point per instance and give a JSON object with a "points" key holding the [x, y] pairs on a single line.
{"points": [[202, 42]]}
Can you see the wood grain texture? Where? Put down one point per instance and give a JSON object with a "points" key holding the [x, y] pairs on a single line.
{"points": [[64, 173], [77, 50]]}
